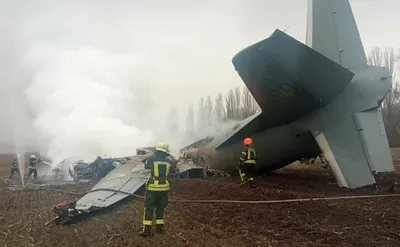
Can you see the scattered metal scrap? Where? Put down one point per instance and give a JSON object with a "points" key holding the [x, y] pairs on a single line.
{"points": [[123, 181], [145, 150], [99, 168], [192, 164]]}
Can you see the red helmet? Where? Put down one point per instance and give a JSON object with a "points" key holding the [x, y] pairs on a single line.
{"points": [[248, 141]]}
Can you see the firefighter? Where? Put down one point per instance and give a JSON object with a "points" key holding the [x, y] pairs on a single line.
{"points": [[247, 162], [157, 188], [32, 166], [14, 168]]}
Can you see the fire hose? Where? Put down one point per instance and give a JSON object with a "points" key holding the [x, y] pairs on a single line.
{"points": [[222, 201], [238, 201]]}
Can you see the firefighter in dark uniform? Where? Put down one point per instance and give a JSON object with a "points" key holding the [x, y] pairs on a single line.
{"points": [[157, 188], [247, 163], [14, 168], [32, 166]]}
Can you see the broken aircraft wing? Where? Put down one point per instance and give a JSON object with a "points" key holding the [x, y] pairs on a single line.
{"points": [[106, 192]]}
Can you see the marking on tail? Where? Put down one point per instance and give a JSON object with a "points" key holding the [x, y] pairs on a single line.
{"points": [[284, 92]]}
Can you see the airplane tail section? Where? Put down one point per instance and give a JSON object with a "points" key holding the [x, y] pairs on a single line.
{"points": [[289, 79], [325, 88], [332, 31]]}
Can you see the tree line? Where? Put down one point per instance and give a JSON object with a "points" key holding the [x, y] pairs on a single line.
{"points": [[391, 105], [237, 104]]}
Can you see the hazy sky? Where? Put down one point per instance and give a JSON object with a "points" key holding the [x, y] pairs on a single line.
{"points": [[124, 54], [193, 41]]}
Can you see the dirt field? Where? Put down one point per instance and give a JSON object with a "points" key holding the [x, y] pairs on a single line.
{"points": [[360, 222]]}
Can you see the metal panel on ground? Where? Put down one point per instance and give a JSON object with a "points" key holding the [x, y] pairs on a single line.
{"points": [[121, 179]]}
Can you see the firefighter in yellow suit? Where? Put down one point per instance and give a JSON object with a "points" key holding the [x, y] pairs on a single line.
{"points": [[247, 162], [157, 188]]}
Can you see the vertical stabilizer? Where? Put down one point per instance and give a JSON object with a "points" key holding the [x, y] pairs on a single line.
{"points": [[332, 31]]}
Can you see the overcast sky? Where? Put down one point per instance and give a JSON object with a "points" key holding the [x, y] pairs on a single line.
{"points": [[178, 50], [204, 34]]}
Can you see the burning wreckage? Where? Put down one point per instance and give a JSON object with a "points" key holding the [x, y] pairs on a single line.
{"points": [[99, 168], [122, 178], [80, 170]]}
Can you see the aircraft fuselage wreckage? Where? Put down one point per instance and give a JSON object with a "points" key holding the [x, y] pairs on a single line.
{"points": [[319, 97]]}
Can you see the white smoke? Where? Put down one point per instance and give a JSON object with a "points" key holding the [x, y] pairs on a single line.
{"points": [[95, 77], [85, 101]]}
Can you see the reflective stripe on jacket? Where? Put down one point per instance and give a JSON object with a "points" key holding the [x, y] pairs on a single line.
{"points": [[248, 155], [160, 167]]}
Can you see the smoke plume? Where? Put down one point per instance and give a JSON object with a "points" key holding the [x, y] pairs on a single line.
{"points": [[94, 77]]}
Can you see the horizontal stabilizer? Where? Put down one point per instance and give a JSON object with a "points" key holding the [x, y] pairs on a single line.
{"points": [[245, 128], [289, 79], [372, 133], [338, 138]]}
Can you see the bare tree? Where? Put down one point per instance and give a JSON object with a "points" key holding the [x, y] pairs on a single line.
{"points": [[233, 103], [219, 109], [201, 115], [190, 127], [238, 104], [230, 105], [375, 57], [385, 58], [209, 112], [249, 105], [172, 121], [391, 105]]}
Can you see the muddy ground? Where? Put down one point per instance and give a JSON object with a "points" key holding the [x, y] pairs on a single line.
{"points": [[356, 222]]}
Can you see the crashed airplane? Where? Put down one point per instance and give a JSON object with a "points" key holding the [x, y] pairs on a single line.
{"points": [[322, 97], [319, 97]]}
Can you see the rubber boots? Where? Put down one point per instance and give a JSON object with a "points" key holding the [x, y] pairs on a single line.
{"points": [[251, 183], [160, 228], [146, 231]]}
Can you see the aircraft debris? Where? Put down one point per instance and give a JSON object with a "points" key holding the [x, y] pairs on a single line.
{"points": [[79, 170], [124, 180], [192, 164], [145, 150], [115, 186]]}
